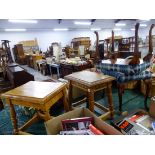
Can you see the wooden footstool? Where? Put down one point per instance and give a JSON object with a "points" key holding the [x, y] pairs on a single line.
{"points": [[38, 95], [91, 82]]}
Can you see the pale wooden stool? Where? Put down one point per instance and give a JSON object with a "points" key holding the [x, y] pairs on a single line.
{"points": [[38, 95], [91, 82]]}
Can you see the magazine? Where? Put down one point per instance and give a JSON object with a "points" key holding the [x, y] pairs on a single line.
{"points": [[145, 122], [131, 128], [77, 132], [77, 123]]}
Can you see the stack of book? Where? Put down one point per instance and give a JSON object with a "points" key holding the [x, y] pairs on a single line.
{"points": [[138, 124], [79, 126]]}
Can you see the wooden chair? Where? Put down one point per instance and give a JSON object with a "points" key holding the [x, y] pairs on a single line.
{"points": [[124, 72]]}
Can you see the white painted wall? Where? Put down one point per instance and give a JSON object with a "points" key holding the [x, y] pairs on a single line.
{"points": [[45, 38]]}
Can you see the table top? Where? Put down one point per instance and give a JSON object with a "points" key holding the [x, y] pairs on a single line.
{"points": [[89, 78], [35, 90], [53, 65]]}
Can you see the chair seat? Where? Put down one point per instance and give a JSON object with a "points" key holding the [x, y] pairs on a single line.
{"points": [[124, 73], [122, 78], [124, 68]]}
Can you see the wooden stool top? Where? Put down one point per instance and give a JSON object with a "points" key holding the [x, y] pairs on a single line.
{"points": [[89, 78], [35, 91]]}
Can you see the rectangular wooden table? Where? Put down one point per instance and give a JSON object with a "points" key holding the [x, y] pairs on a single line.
{"points": [[91, 82], [38, 95]]}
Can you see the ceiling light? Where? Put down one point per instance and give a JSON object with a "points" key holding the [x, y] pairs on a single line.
{"points": [[18, 30], [143, 25], [117, 29], [132, 29], [145, 19], [82, 23], [63, 29], [120, 24], [95, 29], [22, 21]]}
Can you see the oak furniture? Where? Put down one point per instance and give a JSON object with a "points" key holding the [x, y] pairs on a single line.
{"points": [[38, 95], [19, 54], [91, 82]]}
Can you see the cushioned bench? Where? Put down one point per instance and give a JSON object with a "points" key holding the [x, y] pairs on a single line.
{"points": [[125, 73]]}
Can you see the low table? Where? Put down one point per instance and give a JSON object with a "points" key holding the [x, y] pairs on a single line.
{"points": [[57, 66], [38, 95], [91, 82]]}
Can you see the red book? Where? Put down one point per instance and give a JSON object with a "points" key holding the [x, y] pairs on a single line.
{"points": [[95, 130], [135, 117]]}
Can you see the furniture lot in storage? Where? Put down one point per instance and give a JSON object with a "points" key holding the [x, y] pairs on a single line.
{"points": [[53, 126]]}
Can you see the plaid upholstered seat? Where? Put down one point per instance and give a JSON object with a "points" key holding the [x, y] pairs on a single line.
{"points": [[124, 73]]}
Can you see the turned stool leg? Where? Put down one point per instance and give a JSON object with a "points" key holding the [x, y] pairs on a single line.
{"points": [[148, 85], [110, 102], [90, 95]]}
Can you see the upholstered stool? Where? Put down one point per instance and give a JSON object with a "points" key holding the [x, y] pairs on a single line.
{"points": [[125, 73]]}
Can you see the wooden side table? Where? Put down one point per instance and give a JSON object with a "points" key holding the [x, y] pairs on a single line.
{"points": [[91, 82], [57, 66], [38, 95]]}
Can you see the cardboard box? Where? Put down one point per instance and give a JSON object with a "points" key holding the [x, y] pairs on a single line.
{"points": [[53, 126]]}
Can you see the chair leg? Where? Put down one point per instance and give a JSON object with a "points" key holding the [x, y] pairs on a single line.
{"points": [[121, 88]]}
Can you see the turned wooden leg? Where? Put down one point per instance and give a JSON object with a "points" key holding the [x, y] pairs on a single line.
{"points": [[13, 118], [148, 85], [90, 96], [70, 95], [65, 100], [121, 88], [110, 102]]}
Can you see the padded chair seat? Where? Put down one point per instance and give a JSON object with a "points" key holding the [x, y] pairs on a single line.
{"points": [[122, 78], [124, 73], [126, 69]]}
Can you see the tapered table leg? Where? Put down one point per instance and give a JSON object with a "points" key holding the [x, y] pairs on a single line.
{"points": [[65, 100], [70, 95], [13, 118]]}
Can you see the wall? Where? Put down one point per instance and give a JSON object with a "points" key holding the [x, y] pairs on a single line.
{"points": [[45, 38]]}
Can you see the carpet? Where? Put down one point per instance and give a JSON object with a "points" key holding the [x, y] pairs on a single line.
{"points": [[132, 99]]}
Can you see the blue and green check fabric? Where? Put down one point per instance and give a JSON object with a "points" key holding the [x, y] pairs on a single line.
{"points": [[125, 73]]}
